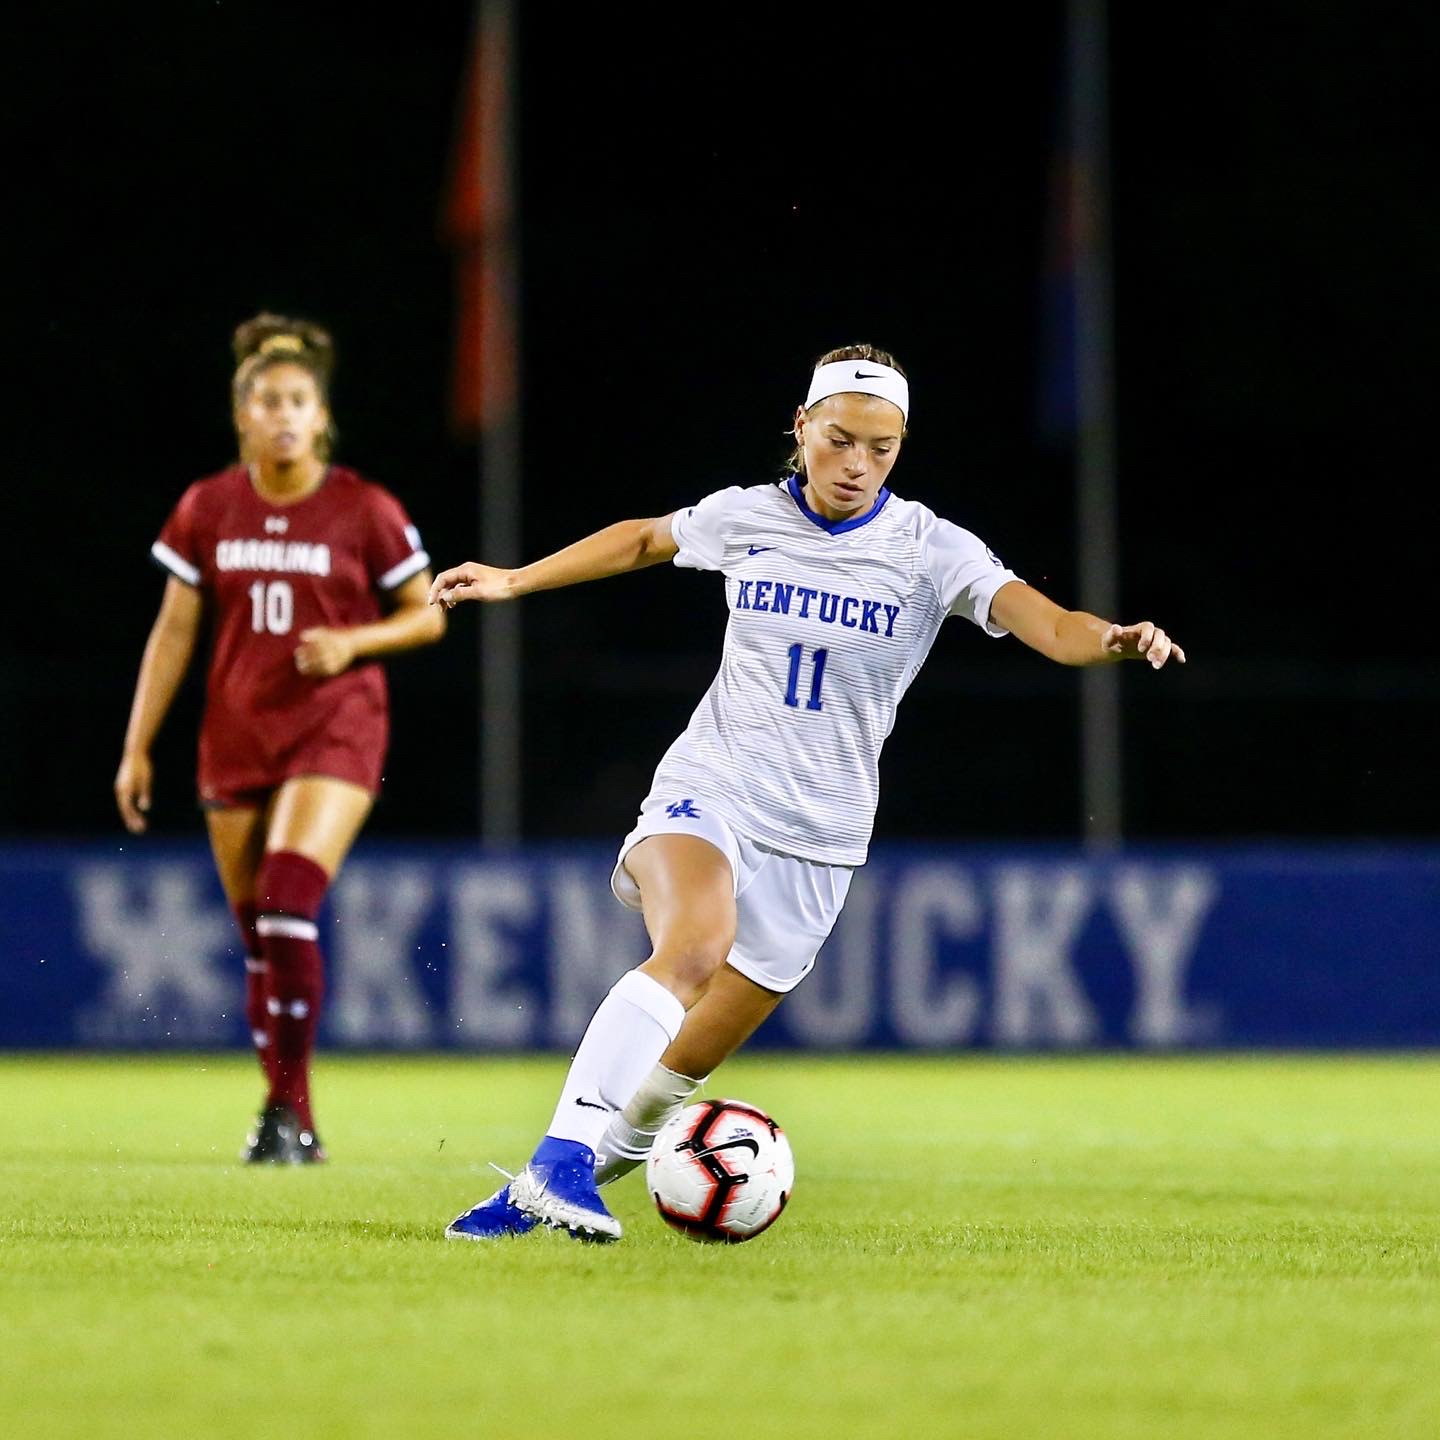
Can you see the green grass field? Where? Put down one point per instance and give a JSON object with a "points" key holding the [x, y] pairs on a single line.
{"points": [[976, 1247]]}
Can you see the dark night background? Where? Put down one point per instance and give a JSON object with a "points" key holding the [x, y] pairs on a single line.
{"points": [[709, 200]]}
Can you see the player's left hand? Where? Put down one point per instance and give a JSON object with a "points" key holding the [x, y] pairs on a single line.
{"points": [[471, 581], [1145, 641], [323, 652]]}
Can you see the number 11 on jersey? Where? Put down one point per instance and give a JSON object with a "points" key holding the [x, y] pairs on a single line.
{"points": [[817, 674]]}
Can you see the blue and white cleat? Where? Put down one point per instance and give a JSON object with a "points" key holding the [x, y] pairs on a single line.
{"points": [[557, 1188], [491, 1219]]}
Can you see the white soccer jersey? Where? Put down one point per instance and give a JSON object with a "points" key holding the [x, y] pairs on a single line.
{"points": [[830, 621]]}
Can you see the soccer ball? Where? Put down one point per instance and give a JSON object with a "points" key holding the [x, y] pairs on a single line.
{"points": [[720, 1170]]}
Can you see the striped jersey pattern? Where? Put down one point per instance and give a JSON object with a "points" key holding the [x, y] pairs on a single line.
{"points": [[829, 624]]}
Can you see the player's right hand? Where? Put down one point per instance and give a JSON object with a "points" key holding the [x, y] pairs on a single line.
{"points": [[470, 581], [132, 791]]}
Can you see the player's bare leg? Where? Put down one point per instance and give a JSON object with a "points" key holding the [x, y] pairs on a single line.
{"points": [[719, 1023], [732, 1009], [688, 892], [310, 825], [318, 817], [237, 841]]}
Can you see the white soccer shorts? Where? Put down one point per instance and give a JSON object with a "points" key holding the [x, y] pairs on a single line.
{"points": [[785, 907]]}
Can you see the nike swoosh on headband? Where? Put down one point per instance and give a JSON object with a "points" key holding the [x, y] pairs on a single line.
{"points": [[842, 376]]}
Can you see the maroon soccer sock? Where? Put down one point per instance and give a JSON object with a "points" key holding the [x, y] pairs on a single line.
{"points": [[288, 891], [257, 988]]}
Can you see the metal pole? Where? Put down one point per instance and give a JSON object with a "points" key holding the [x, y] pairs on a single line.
{"points": [[500, 644], [1102, 784], [499, 539]]}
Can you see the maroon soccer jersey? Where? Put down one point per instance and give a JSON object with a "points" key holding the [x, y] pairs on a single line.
{"points": [[268, 573]]}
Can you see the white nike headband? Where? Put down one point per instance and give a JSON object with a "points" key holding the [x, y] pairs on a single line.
{"points": [[860, 377]]}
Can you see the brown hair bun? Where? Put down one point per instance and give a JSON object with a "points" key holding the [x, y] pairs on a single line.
{"points": [[272, 336]]}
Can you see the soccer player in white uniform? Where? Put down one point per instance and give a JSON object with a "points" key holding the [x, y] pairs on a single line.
{"points": [[762, 809]]}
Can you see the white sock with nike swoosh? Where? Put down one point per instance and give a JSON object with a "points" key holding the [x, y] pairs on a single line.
{"points": [[626, 1036]]}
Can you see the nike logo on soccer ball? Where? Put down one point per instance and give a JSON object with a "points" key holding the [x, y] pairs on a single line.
{"points": [[756, 549], [861, 375], [745, 1144], [590, 1104]]}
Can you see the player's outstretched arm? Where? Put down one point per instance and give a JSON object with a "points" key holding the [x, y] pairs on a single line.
{"points": [[1075, 637], [615, 550]]}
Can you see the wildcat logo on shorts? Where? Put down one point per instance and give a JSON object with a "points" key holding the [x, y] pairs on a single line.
{"points": [[682, 810]]}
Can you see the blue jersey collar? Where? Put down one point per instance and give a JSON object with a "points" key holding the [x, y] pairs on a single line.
{"points": [[835, 527]]}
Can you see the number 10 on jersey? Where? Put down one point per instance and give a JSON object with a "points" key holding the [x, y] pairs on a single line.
{"points": [[272, 607], [817, 674]]}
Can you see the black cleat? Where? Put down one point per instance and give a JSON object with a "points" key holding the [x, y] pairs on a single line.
{"points": [[278, 1139]]}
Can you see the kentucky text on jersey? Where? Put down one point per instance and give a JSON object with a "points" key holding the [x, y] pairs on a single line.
{"points": [[288, 557], [851, 611]]}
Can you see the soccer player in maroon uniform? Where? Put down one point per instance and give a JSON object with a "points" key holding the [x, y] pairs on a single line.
{"points": [[308, 574]]}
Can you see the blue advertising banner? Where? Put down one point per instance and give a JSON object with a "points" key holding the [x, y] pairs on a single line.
{"points": [[132, 946]]}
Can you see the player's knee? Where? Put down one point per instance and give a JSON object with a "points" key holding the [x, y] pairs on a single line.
{"points": [[690, 962]]}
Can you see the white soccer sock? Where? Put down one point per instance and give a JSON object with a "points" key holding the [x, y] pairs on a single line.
{"points": [[630, 1031], [629, 1135], [661, 1094]]}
